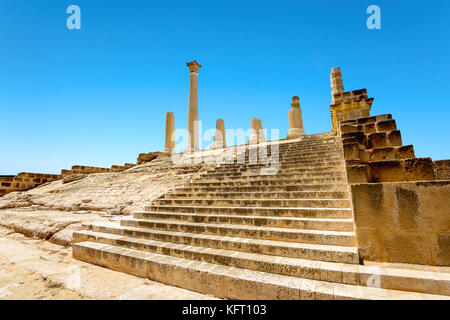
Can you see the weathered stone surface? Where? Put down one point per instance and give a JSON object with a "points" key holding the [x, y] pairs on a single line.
{"points": [[73, 177], [442, 168], [404, 222]]}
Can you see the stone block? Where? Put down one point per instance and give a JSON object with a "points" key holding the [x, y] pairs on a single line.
{"points": [[364, 155], [351, 151], [382, 154], [404, 152], [386, 125], [404, 222], [386, 171], [375, 119], [394, 138], [356, 174], [419, 169], [350, 128], [377, 140], [360, 137], [369, 128]]}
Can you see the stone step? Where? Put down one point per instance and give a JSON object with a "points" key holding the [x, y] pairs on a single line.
{"points": [[336, 213], [291, 175], [337, 238], [303, 164], [269, 247], [292, 155], [259, 195], [263, 181], [276, 222], [244, 169], [304, 203], [225, 281], [389, 278], [263, 188], [291, 159]]}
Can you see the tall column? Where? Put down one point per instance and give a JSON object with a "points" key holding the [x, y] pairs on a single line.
{"points": [[337, 86], [295, 120], [193, 106], [170, 127], [219, 138]]}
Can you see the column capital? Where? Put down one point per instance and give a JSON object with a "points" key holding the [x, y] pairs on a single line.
{"points": [[193, 66], [295, 102]]}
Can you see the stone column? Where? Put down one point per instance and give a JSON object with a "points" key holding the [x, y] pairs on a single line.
{"points": [[170, 128], [337, 86], [219, 138], [257, 134], [193, 106], [295, 120]]}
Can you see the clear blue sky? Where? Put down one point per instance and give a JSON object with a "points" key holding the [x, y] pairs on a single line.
{"points": [[98, 96]]}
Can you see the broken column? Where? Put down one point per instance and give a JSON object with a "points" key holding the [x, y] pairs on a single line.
{"points": [[193, 106], [337, 86], [219, 138], [257, 133], [170, 127], [295, 120]]}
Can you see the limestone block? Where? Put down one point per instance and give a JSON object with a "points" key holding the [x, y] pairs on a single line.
{"points": [[364, 155], [404, 152], [405, 222], [369, 128], [382, 154], [442, 169], [386, 171], [351, 151], [350, 128], [418, 169], [377, 140], [394, 138], [386, 125], [356, 174], [374, 119], [352, 121], [360, 137]]}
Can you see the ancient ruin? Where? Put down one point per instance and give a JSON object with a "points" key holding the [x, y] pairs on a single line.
{"points": [[295, 120], [219, 137], [170, 128], [193, 106], [257, 132], [346, 214]]}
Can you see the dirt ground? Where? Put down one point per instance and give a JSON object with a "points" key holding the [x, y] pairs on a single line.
{"points": [[39, 270]]}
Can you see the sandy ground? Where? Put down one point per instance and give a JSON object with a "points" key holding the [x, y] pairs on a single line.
{"points": [[39, 270]]}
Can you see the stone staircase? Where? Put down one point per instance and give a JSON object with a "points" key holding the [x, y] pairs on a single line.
{"points": [[238, 232]]}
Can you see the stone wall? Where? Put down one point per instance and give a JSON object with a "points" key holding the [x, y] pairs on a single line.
{"points": [[147, 157], [374, 152], [407, 222], [442, 168], [24, 181], [349, 105], [77, 169]]}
